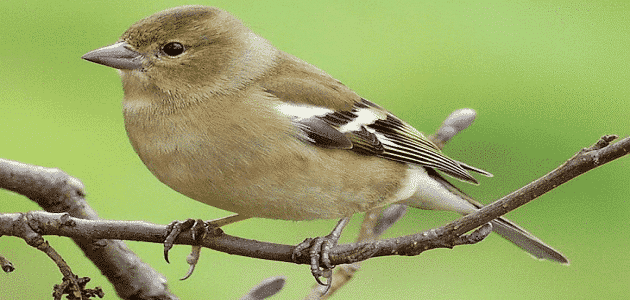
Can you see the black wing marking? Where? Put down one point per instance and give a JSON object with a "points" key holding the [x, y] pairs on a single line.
{"points": [[322, 134], [369, 129]]}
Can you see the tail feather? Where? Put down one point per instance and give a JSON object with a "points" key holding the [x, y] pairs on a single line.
{"points": [[442, 195], [526, 241]]}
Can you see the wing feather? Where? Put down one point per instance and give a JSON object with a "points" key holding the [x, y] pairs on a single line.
{"points": [[369, 129]]}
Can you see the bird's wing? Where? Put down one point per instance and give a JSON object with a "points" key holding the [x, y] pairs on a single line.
{"points": [[330, 115], [368, 129]]}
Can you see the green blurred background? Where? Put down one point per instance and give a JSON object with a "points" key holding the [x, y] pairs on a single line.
{"points": [[546, 78]]}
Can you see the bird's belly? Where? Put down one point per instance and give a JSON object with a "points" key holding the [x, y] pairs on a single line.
{"points": [[294, 185]]}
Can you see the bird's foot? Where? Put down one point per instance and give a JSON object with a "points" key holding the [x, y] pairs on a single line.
{"points": [[319, 253], [197, 227]]}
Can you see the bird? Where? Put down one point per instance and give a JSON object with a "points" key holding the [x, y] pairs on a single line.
{"points": [[220, 115]]}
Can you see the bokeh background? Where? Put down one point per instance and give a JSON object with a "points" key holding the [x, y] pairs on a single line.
{"points": [[546, 77]]}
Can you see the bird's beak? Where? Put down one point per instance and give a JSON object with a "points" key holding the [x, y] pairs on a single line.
{"points": [[119, 56]]}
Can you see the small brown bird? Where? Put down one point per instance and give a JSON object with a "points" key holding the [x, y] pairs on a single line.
{"points": [[217, 113]]}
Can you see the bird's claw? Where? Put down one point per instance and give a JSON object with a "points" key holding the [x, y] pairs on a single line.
{"points": [[192, 260], [173, 230], [319, 253]]}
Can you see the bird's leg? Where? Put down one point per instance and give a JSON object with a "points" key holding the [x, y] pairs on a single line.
{"points": [[199, 229], [319, 249]]}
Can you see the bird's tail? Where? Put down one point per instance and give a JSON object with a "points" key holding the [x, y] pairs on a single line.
{"points": [[526, 241], [442, 195]]}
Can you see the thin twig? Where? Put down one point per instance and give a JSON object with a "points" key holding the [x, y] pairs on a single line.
{"points": [[21, 228]]}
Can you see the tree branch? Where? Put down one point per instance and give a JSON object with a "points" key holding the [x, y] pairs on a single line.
{"points": [[447, 236], [598, 154], [55, 191]]}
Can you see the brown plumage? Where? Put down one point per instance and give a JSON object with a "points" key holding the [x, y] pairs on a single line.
{"points": [[220, 115]]}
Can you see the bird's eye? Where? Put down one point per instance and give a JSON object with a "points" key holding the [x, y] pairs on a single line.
{"points": [[173, 49]]}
